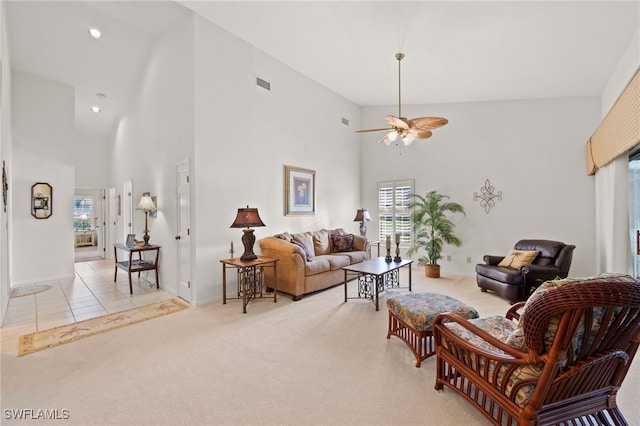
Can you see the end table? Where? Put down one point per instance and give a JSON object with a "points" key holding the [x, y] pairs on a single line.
{"points": [[250, 279], [136, 265]]}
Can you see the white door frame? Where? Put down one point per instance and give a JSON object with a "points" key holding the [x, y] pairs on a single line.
{"points": [[183, 226]]}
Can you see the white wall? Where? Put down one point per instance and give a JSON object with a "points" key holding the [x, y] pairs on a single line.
{"points": [[43, 130], [5, 155], [244, 137], [532, 151], [624, 71], [154, 135], [91, 157]]}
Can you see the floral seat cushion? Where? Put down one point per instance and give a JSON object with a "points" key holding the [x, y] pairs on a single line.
{"points": [[418, 310], [501, 328]]}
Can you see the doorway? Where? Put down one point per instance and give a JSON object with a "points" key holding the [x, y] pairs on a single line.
{"points": [[183, 239], [89, 224]]}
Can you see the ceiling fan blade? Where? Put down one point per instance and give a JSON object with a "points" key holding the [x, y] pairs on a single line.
{"points": [[426, 123], [386, 129], [397, 122], [424, 134]]}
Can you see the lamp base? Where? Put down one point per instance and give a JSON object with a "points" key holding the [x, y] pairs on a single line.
{"points": [[363, 229], [146, 229], [248, 239], [146, 238]]}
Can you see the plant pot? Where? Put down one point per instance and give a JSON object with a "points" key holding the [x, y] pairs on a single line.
{"points": [[432, 271]]}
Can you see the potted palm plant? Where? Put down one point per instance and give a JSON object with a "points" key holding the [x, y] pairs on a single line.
{"points": [[432, 229]]}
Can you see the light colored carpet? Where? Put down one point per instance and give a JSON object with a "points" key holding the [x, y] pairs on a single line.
{"points": [[318, 361], [45, 339]]}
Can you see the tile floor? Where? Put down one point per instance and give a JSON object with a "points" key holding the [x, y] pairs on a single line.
{"points": [[91, 293]]}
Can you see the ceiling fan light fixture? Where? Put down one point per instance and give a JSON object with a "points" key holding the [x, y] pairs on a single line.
{"points": [[409, 137], [389, 137]]}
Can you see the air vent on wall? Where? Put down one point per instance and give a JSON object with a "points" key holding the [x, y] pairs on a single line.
{"points": [[263, 83]]}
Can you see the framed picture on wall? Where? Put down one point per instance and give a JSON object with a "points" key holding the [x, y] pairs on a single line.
{"points": [[299, 191]]}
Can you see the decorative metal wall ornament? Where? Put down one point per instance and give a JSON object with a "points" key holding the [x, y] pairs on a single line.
{"points": [[487, 196], [5, 186]]}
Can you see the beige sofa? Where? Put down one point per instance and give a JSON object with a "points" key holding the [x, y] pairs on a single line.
{"points": [[312, 261]]}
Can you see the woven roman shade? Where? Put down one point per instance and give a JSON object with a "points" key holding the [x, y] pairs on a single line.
{"points": [[620, 129]]}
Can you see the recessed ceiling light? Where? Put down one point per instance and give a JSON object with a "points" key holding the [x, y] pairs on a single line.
{"points": [[95, 109], [95, 33]]}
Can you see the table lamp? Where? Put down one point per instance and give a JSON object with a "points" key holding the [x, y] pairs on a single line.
{"points": [[246, 218], [362, 216], [146, 204]]}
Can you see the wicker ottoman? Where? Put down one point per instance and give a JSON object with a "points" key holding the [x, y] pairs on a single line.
{"points": [[411, 318]]}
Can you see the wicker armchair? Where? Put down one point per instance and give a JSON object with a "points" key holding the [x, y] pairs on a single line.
{"points": [[560, 361]]}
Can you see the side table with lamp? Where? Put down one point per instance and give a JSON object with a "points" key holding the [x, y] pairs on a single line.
{"points": [[250, 273], [140, 264]]}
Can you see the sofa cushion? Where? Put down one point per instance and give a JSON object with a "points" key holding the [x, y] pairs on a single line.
{"points": [[519, 375], [321, 243], [355, 256], [548, 249], [503, 275], [517, 258], [318, 266], [335, 261], [342, 243]]}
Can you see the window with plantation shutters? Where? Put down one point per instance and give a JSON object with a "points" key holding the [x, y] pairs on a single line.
{"points": [[394, 215]]}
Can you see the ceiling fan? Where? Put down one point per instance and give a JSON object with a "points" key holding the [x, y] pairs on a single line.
{"points": [[408, 130]]}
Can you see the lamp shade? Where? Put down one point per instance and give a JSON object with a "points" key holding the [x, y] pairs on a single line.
{"points": [[146, 204], [246, 218], [362, 215]]}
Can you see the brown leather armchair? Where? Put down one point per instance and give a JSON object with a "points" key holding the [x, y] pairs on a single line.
{"points": [[553, 261]]}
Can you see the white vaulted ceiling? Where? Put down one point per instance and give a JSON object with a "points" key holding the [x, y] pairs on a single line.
{"points": [[456, 51]]}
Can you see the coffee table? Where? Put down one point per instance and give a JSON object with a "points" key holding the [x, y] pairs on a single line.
{"points": [[374, 277]]}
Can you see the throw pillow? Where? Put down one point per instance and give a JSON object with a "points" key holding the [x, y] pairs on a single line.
{"points": [[342, 243], [517, 258], [321, 242], [299, 244], [284, 236], [306, 242]]}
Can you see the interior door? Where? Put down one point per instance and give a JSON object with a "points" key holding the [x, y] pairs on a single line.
{"points": [[183, 238], [114, 212], [99, 224], [127, 208]]}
